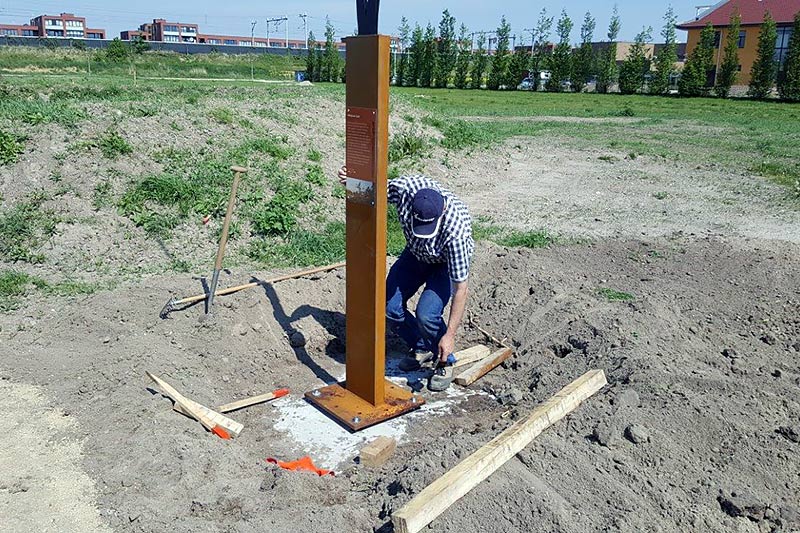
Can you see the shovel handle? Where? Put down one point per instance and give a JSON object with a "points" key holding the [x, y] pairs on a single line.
{"points": [[226, 226]]}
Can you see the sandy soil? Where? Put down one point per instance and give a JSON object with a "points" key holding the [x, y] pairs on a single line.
{"points": [[703, 362], [697, 430]]}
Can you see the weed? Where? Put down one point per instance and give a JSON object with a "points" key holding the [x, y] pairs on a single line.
{"points": [[661, 195], [13, 285], [11, 146], [56, 176], [608, 158], [279, 215], [180, 265], [102, 194], [277, 147], [614, 295], [314, 155], [625, 111], [143, 110], [70, 287], [339, 191], [527, 239], [315, 175], [223, 115], [23, 228], [408, 143], [460, 134], [112, 145]]}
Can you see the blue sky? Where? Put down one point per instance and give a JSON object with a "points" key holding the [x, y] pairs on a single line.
{"points": [[234, 16]]}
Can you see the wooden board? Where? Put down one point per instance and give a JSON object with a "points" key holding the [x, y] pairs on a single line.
{"points": [[377, 452], [195, 410], [254, 400], [470, 355], [442, 493], [481, 368]]}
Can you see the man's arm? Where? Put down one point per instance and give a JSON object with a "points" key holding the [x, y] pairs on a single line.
{"points": [[457, 307]]}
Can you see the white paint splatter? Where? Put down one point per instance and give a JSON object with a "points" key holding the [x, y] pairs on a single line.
{"points": [[330, 445]]}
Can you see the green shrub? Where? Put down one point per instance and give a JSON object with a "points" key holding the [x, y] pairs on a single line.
{"points": [[117, 51], [223, 115], [11, 146]]}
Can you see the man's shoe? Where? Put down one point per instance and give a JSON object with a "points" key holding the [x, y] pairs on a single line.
{"points": [[415, 360], [441, 379]]}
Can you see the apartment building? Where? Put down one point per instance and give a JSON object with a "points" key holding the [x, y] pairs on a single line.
{"points": [[752, 14], [161, 30], [65, 25]]}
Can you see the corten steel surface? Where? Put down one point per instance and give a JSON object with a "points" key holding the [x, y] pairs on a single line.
{"points": [[367, 89], [357, 414], [366, 398]]}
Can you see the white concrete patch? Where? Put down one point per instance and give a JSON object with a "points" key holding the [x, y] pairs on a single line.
{"points": [[330, 445]]}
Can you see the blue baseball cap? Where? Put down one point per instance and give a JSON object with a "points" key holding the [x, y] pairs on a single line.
{"points": [[427, 209]]}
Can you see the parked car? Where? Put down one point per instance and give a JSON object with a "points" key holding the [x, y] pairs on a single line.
{"points": [[526, 85]]}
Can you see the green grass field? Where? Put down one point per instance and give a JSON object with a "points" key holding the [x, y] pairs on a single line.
{"points": [[284, 215], [759, 137], [67, 61]]}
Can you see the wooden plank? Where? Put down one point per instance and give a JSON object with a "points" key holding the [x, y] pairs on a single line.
{"points": [[210, 419], [377, 452], [470, 355], [442, 493], [481, 368], [247, 402]]}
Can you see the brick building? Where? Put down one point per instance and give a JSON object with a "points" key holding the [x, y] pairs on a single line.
{"points": [[65, 25], [161, 30], [752, 13]]}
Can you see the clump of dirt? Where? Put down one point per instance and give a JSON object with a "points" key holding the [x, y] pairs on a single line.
{"points": [[694, 431]]}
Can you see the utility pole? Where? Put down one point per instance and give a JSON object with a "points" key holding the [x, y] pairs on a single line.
{"points": [[276, 20], [304, 16], [252, 45], [533, 37]]}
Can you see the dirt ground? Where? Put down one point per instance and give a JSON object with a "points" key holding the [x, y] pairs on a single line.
{"points": [[698, 429]]}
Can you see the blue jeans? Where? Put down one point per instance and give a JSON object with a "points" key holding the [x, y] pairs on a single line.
{"points": [[407, 275]]}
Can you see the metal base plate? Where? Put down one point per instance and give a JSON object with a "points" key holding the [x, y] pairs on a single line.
{"points": [[355, 413]]}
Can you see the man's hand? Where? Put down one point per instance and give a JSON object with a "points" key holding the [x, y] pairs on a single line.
{"points": [[446, 347], [343, 175]]}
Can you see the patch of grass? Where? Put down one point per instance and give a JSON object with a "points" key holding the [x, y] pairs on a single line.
{"points": [[782, 173], [223, 115], [11, 146], [407, 143], [279, 215], [70, 287], [314, 155], [302, 247], [24, 228], [102, 194], [608, 158], [13, 285], [277, 147], [613, 295], [113, 145], [527, 239], [315, 175], [180, 265], [36, 111], [460, 134]]}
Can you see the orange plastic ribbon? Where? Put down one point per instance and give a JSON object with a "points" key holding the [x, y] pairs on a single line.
{"points": [[304, 463]]}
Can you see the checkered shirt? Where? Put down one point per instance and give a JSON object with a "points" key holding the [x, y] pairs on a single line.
{"points": [[453, 244]]}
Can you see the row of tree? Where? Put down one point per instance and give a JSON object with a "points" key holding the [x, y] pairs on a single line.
{"points": [[431, 59], [443, 56]]}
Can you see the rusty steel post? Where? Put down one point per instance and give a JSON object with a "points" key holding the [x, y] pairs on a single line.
{"points": [[366, 398]]}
